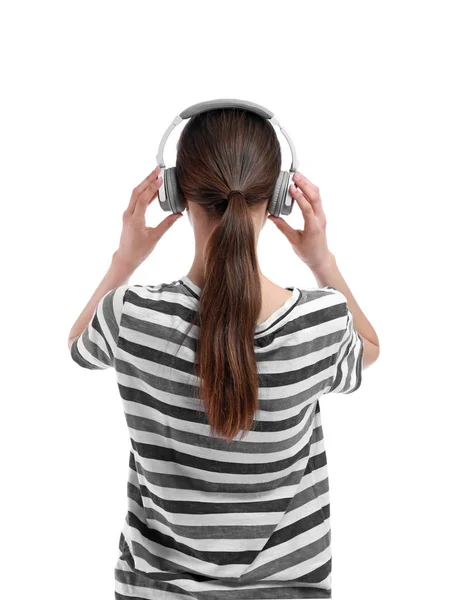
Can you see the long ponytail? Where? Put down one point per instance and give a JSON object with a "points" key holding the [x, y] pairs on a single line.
{"points": [[229, 308]]}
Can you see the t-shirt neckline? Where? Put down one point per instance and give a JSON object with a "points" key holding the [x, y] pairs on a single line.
{"points": [[277, 316]]}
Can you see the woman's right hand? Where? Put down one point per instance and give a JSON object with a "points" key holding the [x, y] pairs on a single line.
{"points": [[310, 243]]}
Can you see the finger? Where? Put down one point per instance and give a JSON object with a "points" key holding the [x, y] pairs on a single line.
{"points": [[298, 177], [305, 206], [311, 193], [165, 225], [142, 186], [148, 194], [151, 177]]}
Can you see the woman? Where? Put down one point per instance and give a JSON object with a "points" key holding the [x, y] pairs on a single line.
{"points": [[220, 373]]}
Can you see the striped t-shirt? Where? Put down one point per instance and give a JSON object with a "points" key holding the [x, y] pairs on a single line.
{"points": [[207, 519]]}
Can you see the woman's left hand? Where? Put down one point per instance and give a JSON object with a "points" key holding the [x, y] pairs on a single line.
{"points": [[138, 241]]}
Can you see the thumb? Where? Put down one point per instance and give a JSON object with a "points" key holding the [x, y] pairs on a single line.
{"points": [[284, 227], [167, 223]]}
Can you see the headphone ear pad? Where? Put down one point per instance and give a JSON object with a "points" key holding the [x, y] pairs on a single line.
{"points": [[173, 192], [277, 206]]}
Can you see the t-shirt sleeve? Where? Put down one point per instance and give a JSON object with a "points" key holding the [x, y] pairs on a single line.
{"points": [[347, 376], [96, 346]]}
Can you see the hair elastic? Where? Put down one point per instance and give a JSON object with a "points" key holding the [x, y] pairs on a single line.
{"points": [[235, 192]]}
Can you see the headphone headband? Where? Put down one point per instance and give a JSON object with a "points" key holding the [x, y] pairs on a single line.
{"points": [[200, 107]]}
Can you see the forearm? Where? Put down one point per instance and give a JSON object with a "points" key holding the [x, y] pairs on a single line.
{"points": [[329, 274], [117, 274]]}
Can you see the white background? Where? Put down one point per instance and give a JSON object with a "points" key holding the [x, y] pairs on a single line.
{"points": [[365, 91]]}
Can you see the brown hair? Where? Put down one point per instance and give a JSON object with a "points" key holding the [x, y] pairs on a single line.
{"points": [[218, 151]]}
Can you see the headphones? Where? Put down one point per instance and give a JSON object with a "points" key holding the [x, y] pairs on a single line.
{"points": [[170, 196]]}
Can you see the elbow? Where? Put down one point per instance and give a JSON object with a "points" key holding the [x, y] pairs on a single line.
{"points": [[70, 342], [371, 353], [375, 350]]}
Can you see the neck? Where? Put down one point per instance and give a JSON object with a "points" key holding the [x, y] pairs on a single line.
{"points": [[196, 273], [203, 230]]}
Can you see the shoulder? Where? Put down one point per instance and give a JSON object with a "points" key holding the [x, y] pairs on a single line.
{"points": [[153, 295], [327, 295], [323, 305], [111, 304]]}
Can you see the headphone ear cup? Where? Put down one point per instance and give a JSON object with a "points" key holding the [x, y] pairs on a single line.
{"points": [[281, 202], [173, 192]]}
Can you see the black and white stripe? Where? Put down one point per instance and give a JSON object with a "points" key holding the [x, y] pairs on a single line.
{"points": [[207, 519]]}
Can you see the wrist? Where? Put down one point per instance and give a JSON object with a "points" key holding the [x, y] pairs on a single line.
{"points": [[123, 263], [325, 265]]}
